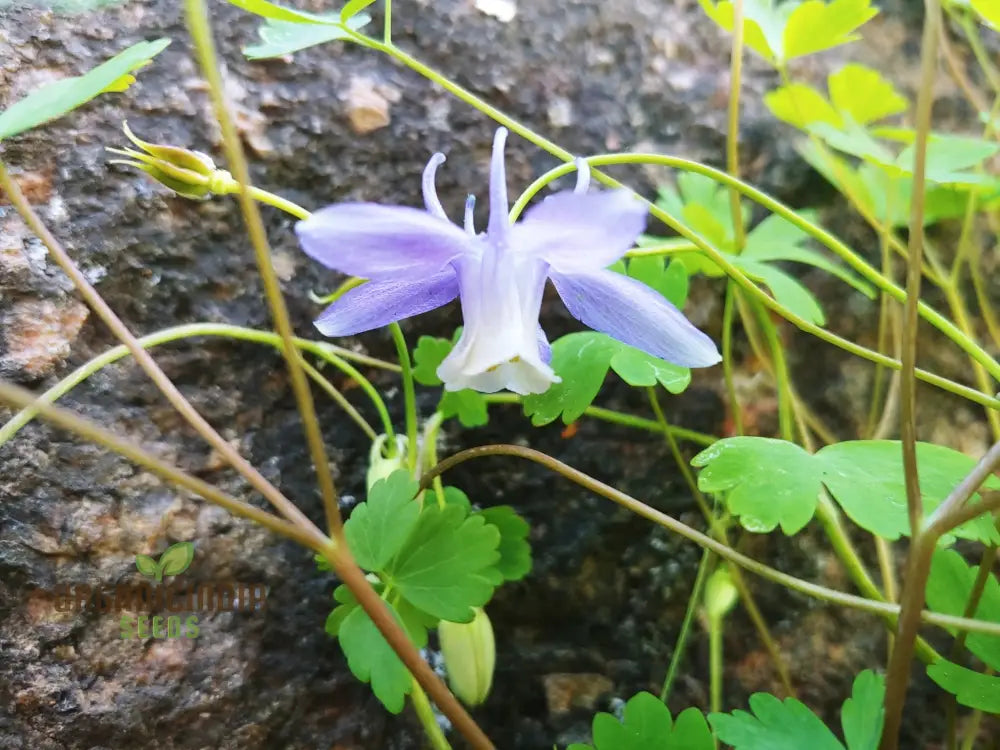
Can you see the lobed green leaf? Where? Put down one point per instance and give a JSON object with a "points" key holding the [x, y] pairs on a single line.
{"points": [[378, 527]]}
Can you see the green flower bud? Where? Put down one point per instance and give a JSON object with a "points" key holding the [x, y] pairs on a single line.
{"points": [[190, 174], [380, 466], [470, 655], [720, 594]]}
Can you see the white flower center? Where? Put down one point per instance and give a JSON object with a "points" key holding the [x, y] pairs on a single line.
{"points": [[499, 348]]}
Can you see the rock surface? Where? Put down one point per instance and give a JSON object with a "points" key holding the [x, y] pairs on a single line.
{"points": [[608, 590]]}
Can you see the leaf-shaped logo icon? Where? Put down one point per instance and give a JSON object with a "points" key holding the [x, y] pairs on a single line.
{"points": [[147, 566], [176, 559]]}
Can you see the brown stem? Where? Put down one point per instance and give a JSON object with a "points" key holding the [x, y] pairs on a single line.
{"points": [[338, 556], [882, 609], [199, 28], [922, 546], [143, 357], [67, 420]]}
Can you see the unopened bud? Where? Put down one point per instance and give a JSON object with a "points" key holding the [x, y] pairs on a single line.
{"points": [[470, 654], [190, 174], [720, 594], [381, 466]]}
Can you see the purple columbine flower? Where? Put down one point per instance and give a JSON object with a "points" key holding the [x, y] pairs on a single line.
{"points": [[418, 260]]}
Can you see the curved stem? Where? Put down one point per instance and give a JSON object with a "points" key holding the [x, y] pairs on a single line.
{"points": [[199, 28], [324, 351], [617, 417], [882, 609]]}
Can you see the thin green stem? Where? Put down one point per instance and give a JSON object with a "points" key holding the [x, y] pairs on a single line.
{"points": [[617, 417], [324, 351], [697, 590], [425, 714], [270, 199], [336, 395], [735, 409], [715, 663], [882, 609], [733, 129], [409, 395], [430, 453], [199, 28]]}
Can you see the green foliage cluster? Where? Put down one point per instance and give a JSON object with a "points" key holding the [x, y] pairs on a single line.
{"points": [[430, 559]]}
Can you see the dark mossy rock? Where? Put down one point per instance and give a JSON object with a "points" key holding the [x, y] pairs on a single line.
{"points": [[598, 617]]}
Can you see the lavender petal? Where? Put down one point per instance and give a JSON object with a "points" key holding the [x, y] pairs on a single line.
{"points": [[378, 303], [373, 241], [631, 312], [581, 231]]}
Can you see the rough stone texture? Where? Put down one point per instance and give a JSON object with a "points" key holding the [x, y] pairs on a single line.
{"points": [[608, 589]]}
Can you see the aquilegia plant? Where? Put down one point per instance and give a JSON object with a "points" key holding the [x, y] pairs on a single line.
{"points": [[417, 557], [418, 260]]}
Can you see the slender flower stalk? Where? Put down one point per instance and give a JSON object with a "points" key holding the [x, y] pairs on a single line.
{"points": [[418, 260]]}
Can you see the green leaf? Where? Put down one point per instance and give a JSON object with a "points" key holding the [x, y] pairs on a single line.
{"points": [[455, 496], [280, 38], [989, 10], [643, 370], [669, 279], [275, 12], [854, 140], [427, 357], [774, 725], [863, 714], [176, 558], [766, 482], [773, 481], [948, 155], [352, 8], [379, 526], [815, 26], [647, 725], [970, 688], [147, 565], [864, 95], [801, 105], [786, 290], [790, 725], [582, 361], [948, 589], [866, 478], [371, 659], [448, 565], [776, 238], [56, 99], [515, 552], [762, 24], [468, 405]]}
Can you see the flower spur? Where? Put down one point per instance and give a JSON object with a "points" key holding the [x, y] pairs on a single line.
{"points": [[417, 260]]}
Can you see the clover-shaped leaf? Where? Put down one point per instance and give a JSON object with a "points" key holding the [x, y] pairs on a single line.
{"points": [[378, 527], [448, 564], [468, 405], [647, 724]]}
